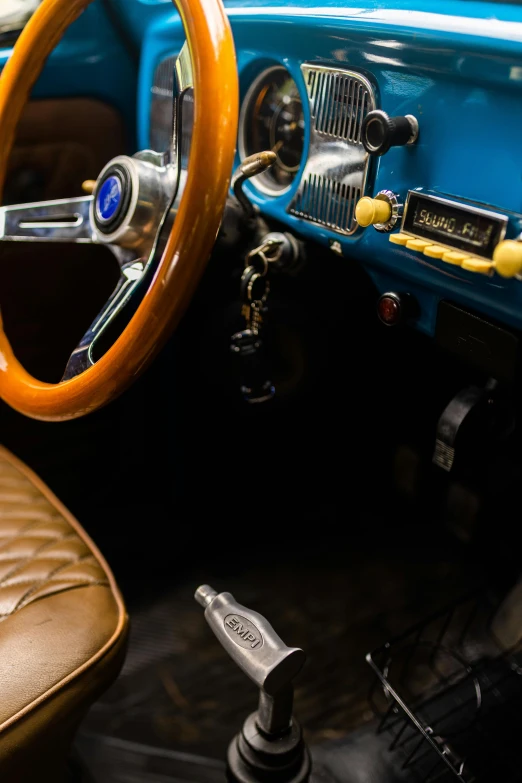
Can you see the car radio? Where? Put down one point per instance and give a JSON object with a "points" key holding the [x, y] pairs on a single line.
{"points": [[461, 234]]}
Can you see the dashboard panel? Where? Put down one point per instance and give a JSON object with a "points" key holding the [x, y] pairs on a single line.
{"points": [[456, 66]]}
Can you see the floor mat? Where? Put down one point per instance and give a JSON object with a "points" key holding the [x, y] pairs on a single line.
{"points": [[179, 690]]}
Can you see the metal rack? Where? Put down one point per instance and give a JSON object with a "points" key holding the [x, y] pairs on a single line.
{"points": [[449, 694]]}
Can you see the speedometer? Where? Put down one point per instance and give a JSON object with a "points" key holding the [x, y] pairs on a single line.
{"points": [[272, 119]]}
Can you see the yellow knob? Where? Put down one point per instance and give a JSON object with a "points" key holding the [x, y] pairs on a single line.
{"points": [[370, 211], [507, 258], [88, 186]]}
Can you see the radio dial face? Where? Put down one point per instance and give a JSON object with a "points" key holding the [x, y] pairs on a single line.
{"points": [[461, 227]]}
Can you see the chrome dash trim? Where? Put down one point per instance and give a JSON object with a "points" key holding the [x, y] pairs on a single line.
{"points": [[336, 173]]}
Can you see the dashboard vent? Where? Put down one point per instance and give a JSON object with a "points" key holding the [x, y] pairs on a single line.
{"points": [[336, 171]]}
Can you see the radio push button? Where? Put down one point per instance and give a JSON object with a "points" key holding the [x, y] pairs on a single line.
{"points": [[454, 257], [400, 239], [417, 244], [507, 258], [477, 265], [434, 251]]}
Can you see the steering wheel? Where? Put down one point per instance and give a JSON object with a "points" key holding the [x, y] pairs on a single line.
{"points": [[159, 222]]}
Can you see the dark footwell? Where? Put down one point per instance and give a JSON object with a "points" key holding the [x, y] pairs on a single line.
{"points": [[180, 694]]}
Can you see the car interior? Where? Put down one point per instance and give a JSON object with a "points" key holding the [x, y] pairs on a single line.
{"points": [[259, 391]]}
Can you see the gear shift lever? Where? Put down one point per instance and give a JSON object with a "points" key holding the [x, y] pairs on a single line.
{"points": [[269, 747]]}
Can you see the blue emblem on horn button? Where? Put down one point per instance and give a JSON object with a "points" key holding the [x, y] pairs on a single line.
{"points": [[109, 199]]}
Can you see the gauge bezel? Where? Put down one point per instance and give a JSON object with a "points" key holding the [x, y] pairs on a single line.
{"points": [[252, 91]]}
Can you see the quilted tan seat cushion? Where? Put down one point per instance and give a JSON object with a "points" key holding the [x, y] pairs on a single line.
{"points": [[62, 626]]}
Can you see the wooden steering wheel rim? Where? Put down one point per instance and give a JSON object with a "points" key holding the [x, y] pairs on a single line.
{"points": [[216, 97]]}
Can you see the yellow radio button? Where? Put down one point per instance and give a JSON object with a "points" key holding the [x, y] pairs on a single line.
{"points": [[372, 211], [454, 257], [417, 244], [434, 251], [507, 258], [477, 265], [400, 239]]}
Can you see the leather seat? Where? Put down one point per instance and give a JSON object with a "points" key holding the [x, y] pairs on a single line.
{"points": [[63, 626]]}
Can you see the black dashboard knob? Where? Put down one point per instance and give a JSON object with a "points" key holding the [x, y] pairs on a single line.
{"points": [[380, 132]]}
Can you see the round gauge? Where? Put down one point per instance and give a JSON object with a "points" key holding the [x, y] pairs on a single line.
{"points": [[272, 119]]}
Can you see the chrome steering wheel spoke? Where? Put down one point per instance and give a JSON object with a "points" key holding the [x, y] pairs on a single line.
{"points": [[132, 273], [131, 212], [137, 272], [63, 220]]}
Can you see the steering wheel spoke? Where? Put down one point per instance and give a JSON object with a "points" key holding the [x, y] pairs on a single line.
{"points": [[183, 82], [132, 274], [158, 220], [135, 273], [64, 220]]}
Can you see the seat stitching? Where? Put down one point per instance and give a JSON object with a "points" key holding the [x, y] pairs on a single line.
{"points": [[74, 585], [108, 648], [22, 532], [44, 579], [52, 581], [48, 578], [29, 527], [34, 555]]}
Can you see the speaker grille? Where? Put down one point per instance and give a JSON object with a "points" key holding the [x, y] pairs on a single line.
{"points": [[339, 104], [327, 201], [336, 172]]}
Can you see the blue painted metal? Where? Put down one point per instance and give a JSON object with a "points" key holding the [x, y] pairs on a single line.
{"points": [[456, 65], [139, 14], [91, 61]]}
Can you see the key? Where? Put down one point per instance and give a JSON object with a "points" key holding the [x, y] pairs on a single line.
{"points": [[247, 344]]}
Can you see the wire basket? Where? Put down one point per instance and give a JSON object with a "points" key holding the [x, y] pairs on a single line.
{"points": [[449, 694]]}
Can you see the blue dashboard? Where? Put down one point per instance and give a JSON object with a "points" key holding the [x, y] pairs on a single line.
{"points": [[456, 65]]}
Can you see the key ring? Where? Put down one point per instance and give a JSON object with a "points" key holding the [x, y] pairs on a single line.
{"points": [[260, 252], [253, 256]]}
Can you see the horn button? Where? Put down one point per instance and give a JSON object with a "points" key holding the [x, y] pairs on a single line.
{"points": [[129, 200], [112, 198]]}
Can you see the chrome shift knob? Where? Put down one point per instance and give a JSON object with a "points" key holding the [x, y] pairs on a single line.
{"points": [[270, 747], [251, 641]]}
